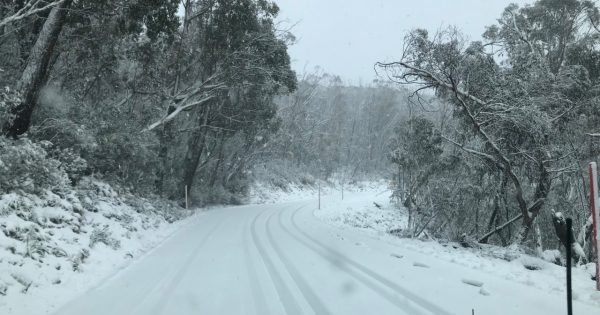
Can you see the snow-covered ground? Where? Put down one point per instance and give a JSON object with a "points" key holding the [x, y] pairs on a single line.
{"points": [[358, 212], [261, 193], [55, 246], [282, 257], [268, 193]]}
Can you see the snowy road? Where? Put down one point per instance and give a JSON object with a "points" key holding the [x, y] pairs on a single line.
{"points": [[280, 259]]}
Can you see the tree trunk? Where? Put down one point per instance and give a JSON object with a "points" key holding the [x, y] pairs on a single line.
{"points": [[522, 232], [166, 137], [36, 69], [531, 213], [539, 247], [166, 134], [213, 177], [493, 217], [192, 157]]}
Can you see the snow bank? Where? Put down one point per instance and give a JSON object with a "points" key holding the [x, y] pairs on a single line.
{"points": [[370, 211], [271, 192], [365, 206], [55, 245], [262, 193]]}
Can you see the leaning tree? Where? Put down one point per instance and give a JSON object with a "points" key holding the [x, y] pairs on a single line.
{"points": [[518, 97]]}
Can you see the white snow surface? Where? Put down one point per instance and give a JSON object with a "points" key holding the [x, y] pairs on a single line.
{"points": [[55, 246], [292, 258], [504, 272], [261, 193]]}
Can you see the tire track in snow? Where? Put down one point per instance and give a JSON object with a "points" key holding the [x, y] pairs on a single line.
{"points": [[260, 305], [170, 288], [285, 295], [138, 297], [369, 283], [313, 300], [142, 296], [332, 255]]}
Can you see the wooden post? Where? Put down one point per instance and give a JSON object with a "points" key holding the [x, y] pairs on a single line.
{"points": [[186, 198]]}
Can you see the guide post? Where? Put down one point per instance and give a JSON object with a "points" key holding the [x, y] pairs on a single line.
{"points": [[319, 195], [593, 171], [569, 248]]}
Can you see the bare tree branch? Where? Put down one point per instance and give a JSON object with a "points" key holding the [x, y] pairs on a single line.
{"points": [[30, 8], [471, 151]]}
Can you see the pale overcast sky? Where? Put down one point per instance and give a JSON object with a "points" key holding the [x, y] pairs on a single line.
{"points": [[346, 37]]}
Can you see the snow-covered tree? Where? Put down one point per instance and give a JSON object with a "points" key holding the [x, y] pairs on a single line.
{"points": [[520, 99]]}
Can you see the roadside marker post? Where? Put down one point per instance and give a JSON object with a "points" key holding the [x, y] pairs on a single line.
{"points": [[594, 202], [186, 198], [319, 195], [569, 249]]}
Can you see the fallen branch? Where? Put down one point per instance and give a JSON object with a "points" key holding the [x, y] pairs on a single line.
{"points": [[485, 238]]}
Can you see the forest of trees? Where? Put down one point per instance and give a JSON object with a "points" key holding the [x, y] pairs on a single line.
{"points": [[334, 132], [484, 141], [136, 94], [133, 92], [502, 157]]}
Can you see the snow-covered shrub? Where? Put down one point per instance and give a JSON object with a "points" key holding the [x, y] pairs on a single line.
{"points": [[552, 256], [51, 234], [125, 219], [15, 232], [230, 195], [73, 164], [9, 99], [95, 190], [79, 258], [35, 244], [168, 210], [307, 180], [55, 120], [13, 203], [65, 133], [25, 166], [279, 174], [105, 137], [141, 205], [70, 142], [103, 235], [126, 157]]}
